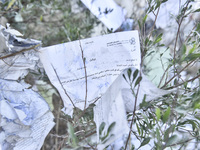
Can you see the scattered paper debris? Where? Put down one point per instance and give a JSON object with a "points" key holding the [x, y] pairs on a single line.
{"points": [[25, 118]]}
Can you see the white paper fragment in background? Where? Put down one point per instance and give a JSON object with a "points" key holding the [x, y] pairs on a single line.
{"points": [[105, 57], [167, 13], [118, 100], [25, 117], [107, 11]]}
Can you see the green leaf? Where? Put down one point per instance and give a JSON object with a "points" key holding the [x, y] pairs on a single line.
{"points": [[129, 71], [72, 137], [101, 128], [110, 128], [41, 18], [163, 1], [144, 19], [197, 10], [158, 115], [166, 114], [172, 140], [192, 49], [146, 41], [184, 49], [124, 77], [138, 129], [192, 56], [84, 59], [158, 4], [10, 4], [145, 141], [158, 135], [168, 131], [140, 27], [158, 39], [135, 74], [138, 80]]}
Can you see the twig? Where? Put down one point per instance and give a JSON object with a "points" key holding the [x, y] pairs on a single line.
{"points": [[190, 32], [63, 86], [163, 76], [180, 142], [57, 123], [83, 58], [177, 74], [183, 82], [16, 53], [136, 96], [6, 63], [177, 35], [156, 16], [61, 144]]}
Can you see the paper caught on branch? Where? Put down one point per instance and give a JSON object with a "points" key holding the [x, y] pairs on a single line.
{"points": [[106, 60], [105, 57]]}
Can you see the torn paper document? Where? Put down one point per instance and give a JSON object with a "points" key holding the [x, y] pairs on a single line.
{"points": [[105, 57], [17, 55], [119, 99], [25, 118], [107, 11], [110, 110]]}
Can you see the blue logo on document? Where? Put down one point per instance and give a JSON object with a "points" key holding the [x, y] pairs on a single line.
{"points": [[132, 41]]}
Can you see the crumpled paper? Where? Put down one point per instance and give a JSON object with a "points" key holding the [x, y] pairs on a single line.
{"points": [[18, 64], [25, 118]]}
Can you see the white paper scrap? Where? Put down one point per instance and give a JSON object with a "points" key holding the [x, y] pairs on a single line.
{"points": [[167, 13], [111, 109], [105, 57], [107, 11], [118, 100], [25, 118]]}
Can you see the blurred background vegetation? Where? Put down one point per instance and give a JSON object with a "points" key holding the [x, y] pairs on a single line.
{"points": [[172, 121], [52, 22]]}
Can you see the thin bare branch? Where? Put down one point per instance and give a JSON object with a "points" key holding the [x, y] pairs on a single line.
{"points": [[184, 82], [177, 74], [16, 53], [156, 16], [86, 87], [177, 34], [136, 96], [63, 86]]}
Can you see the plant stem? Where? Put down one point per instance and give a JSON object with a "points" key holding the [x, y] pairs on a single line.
{"points": [[86, 89], [63, 86], [136, 96]]}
